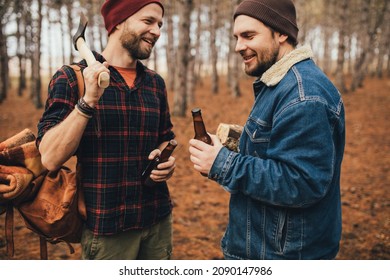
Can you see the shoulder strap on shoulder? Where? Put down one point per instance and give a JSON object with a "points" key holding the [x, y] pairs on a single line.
{"points": [[80, 78]]}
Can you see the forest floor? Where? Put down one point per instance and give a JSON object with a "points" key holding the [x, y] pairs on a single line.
{"points": [[201, 206]]}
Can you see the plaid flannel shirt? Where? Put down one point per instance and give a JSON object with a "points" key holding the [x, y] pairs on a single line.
{"points": [[128, 124]]}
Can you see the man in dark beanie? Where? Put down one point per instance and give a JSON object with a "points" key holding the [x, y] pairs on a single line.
{"points": [[285, 180], [115, 132]]}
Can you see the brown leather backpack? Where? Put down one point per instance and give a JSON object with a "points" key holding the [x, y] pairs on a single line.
{"points": [[57, 212], [51, 203]]}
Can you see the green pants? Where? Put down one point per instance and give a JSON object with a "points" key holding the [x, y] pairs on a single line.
{"points": [[154, 243]]}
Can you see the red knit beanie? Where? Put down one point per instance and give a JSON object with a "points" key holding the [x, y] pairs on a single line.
{"points": [[277, 14], [116, 11]]}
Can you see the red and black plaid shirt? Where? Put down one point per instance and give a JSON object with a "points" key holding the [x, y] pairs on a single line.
{"points": [[128, 124]]}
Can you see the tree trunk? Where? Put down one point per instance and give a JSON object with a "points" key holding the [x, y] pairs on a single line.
{"points": [[19, 52], [327, 59], [102, 35], [340, 77], [191, 80], [198, 54], [5, 8], [28, 41], [303, 20], [4, 78], [388, 63], [155, 59], [368, 37], [213, 47], [50, 49], [180, 100], [69, 7], [350, 60], [36, 82], [234, 60], [383, 48], [170, 45], [63, 32]]}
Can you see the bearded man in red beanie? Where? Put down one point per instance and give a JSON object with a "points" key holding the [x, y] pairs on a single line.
{"points": [[115, 132], [284, 182]]}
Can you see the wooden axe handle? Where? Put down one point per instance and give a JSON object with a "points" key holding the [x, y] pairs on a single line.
{"points": [[85, 52]]}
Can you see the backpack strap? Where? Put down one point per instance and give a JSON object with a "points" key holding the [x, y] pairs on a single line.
{"points": [[43, 247], [9, 229], [80, 79]]}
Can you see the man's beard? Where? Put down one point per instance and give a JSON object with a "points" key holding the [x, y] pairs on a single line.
{"points": [[132, 43], [265, 60]]}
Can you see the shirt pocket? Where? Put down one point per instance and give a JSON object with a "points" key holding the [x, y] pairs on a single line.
{"points": [[259, 133], [149, 113]]}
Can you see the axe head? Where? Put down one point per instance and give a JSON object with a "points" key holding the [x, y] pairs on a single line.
{"points": [[80, 33]]}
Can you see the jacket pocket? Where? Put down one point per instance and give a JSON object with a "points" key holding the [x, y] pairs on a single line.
{"points": [[259, 133], [282, 231]]}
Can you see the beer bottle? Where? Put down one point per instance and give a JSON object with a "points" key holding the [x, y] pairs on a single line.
{"points": [[163, 157], [199, 127]]}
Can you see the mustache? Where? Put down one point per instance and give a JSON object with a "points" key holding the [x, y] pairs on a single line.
{"points": [[245, 54], [151, 39]]}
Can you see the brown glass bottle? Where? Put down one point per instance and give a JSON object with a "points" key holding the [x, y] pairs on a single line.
{"points": [[199, 127], [163, 157]]}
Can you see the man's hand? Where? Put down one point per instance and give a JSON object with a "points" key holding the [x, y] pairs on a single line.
{"points": [[164, 170], [92, 90], [203, 155]]}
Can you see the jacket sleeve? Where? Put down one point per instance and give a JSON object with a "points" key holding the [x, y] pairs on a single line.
{"points": [[298, 166]]}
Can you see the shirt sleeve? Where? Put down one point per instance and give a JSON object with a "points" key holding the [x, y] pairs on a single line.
{"points": [[166, 125], [61, 99]]}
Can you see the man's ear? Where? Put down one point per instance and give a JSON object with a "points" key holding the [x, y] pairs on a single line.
{"points": [[282, 38], [120, 26]]}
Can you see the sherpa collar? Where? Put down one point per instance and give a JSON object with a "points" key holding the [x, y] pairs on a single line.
{"points": [[277, 72]]}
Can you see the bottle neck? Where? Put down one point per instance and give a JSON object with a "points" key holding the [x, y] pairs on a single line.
{"points": [[200, 129], [166, 153], [168, 150]]}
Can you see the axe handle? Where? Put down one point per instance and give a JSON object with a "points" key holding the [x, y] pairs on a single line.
{"points": [[85, 52]]}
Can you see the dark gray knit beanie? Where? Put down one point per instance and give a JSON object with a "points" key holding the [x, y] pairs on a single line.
{"points": [[280, 15]]}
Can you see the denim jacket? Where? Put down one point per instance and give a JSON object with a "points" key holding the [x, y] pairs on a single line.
{"points": [[285, 180]]}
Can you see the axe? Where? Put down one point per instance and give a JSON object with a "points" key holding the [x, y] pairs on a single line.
{"points": [[85, 52]]}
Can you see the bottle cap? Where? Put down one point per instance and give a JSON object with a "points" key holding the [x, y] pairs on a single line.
{"points": [[173, 142], [195, 110]]}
